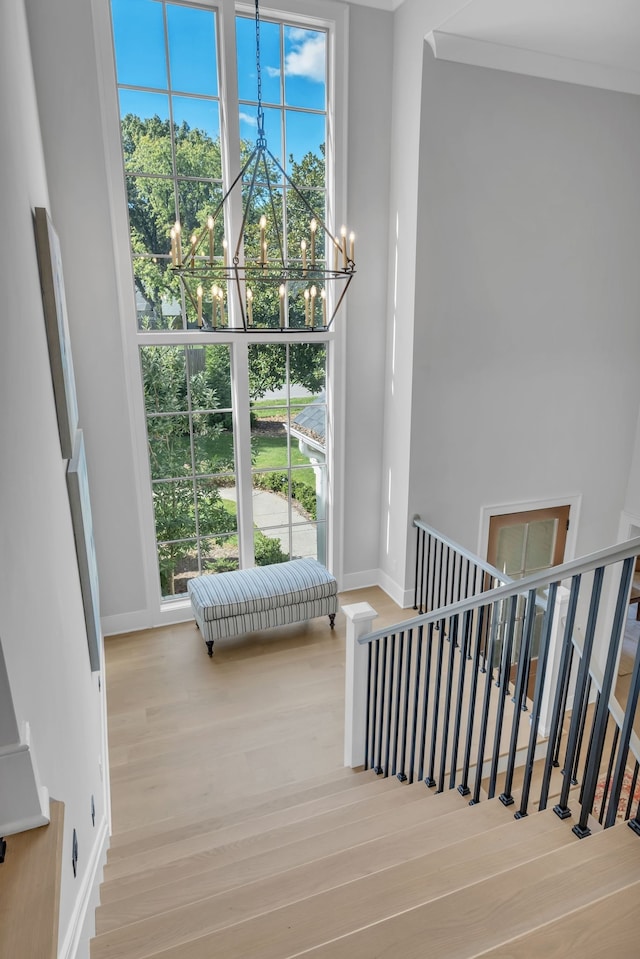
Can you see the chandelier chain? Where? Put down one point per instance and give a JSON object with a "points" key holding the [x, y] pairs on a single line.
{"points": [[261, 135]]}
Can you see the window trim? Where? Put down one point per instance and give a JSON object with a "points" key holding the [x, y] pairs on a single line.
{"points": [[334, 17]]}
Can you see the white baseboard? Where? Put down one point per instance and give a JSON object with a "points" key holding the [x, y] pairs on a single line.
{"points": [[376, 577], [362, 580], [126, 622], [401, 597], [171, 613], [82, 925]]}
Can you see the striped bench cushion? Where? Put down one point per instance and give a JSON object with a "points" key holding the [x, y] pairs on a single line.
{"points": [[262, 588]]}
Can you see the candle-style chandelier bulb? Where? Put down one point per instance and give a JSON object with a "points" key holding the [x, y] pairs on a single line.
{"points": [[262, 271]]}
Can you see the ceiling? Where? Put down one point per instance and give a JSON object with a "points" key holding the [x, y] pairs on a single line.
{"points": [[594, 42]]}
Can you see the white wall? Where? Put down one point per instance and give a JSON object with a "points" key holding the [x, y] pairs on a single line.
{"points": [[412, 21], [41, 615], [64, 59], [369, 117], [525, 380], [632, 499]]}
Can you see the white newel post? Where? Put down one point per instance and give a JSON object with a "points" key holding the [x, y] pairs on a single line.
{"points": [[553, 661], [360, 617]]}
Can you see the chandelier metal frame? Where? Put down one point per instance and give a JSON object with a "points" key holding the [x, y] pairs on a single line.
{"points": [[320, 286]]}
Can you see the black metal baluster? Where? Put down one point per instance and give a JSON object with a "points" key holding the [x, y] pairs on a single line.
{"points": [[392, 657], [466, 639], [627, 727], [584, 708], [429, 780], [463, 788], [475, 593], [602, 713], [632, 790], [378, 768], [402, 776], [368, 750], [525, 650], [561, 809], [607, 780], [466, 578], [419, 555], [439, 599], [635, 822], [541, 672], [445, 601], [432, 574], [425, 696], [398, 687], [453, 643], [424, 599], [565, 693], [486, 702], [504, 692], [591, 734], [416, 699], [562, 689]]}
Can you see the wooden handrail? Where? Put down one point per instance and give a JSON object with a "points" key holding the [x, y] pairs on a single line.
{"points": [[30, 880]]}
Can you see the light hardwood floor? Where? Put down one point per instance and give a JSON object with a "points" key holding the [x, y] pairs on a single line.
{"points": [[238, 833], [189, 734]]}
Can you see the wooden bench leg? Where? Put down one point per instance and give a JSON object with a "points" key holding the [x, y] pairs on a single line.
{"points": [[332, 619], [209, 643]]}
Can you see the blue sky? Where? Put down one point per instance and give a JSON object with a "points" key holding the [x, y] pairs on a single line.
{"points": [[293, 72]]}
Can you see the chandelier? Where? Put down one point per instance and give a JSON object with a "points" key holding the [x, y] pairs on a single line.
{"points": [[260, 281]]}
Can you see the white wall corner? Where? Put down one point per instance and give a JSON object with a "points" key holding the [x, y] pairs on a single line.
{"points": [[24, 801], [360, 617], [401, 596]]}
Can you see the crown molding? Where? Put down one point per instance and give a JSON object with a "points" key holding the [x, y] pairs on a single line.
{"points": [[497, 56], [390, 5]]}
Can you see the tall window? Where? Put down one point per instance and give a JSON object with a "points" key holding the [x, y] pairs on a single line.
{"points": [[213, 444]]}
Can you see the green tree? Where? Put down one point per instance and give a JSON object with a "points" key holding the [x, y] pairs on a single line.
{"points": [[153, 205], [181, 485]]}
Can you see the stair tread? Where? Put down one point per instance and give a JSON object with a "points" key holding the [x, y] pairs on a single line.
{"points": [[232, 842], [279, 854], [334, 912], [298, 881], [606, 927], [467, 922], [325, 789]]}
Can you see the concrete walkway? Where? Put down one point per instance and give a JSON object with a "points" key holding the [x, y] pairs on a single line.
{"points": [[271, 514]]}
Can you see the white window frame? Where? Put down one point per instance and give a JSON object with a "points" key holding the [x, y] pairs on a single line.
{"points": [[325, 14]]}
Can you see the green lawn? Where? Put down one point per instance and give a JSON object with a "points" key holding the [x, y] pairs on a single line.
{"points": [[269, 452], [264, 409]]}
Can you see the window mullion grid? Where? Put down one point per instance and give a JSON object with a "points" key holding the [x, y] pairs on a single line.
{"points": [[289, 484]]}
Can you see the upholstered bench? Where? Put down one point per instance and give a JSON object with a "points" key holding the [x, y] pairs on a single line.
{"points": [[226, 604]]}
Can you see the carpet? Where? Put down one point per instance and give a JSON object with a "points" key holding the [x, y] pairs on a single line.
{"points": [[602, 795]]}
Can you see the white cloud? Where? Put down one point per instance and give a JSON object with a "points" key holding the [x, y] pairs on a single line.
{"points": [[247, 118], [307, 58], [273, 71]]}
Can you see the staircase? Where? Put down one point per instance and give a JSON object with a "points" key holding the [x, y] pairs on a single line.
{"points": [[462, 835], [362, 866]]}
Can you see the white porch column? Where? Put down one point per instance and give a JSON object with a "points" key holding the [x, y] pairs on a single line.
{"points": [[360, 617], [553, 661]]}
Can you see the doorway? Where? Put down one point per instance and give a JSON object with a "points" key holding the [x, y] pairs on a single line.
{"points": [[520, 544]]}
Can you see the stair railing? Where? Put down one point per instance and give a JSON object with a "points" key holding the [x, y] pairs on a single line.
{"points": [[446, 572], [446, 691]]}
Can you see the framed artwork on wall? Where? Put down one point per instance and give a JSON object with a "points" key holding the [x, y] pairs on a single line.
{"points": [[78, 488], [57, 326]]}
